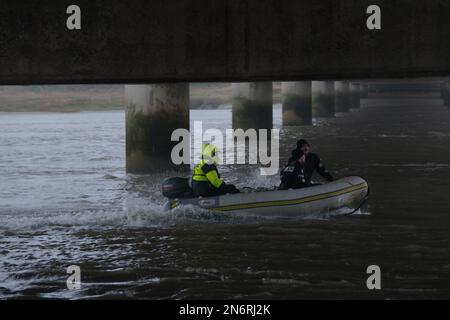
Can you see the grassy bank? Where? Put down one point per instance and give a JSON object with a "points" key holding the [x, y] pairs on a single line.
{"points": [[61, 98], [74, 98]]}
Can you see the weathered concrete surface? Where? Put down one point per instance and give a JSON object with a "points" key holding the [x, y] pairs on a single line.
{"points": [[364, 90], [252, 105], [447, 93], [443, 92], [153, 112], [323, 99], [355, 95], [297, 103], [342, 96], [142, 41]]}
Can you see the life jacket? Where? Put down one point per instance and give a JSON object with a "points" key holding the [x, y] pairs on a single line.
{"points": [[199, 174], [205, 172]]}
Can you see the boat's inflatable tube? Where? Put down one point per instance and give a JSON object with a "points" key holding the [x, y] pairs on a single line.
{"points": [[345, 195]]}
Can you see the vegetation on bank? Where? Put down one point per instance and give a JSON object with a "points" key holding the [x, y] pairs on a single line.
{"points": [[74, 98], [61, 98]]}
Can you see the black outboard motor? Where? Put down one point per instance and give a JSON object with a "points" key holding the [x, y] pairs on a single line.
{"points": [[176, 188]]}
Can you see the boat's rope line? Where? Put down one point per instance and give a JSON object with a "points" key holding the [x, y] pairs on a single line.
{"points": [[293, 201]]}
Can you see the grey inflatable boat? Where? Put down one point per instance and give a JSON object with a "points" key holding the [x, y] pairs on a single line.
{"points": [[345, 195]]}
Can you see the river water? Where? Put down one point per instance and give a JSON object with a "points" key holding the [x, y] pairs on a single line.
{"points": [[65, 199]]}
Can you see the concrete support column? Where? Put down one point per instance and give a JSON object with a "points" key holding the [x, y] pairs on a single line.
{"points": [[443, 87], [323, 99], [342, 96], [297, 109], [354, 95], [446, 93], [374, 88], [364, 91], [252, 105], [153, 112]]}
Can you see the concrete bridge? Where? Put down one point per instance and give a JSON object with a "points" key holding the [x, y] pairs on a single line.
{"points": [[154, 111], [322, 49]]}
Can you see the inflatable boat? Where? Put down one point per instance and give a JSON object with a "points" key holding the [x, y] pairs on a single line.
{"points": [[345, 196]]}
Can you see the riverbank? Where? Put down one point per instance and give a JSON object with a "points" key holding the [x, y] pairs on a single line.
{"points": [[75, 98]]}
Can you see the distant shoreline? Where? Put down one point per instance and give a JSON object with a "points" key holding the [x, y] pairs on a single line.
{"points": [[94, 109], [78, 98]]}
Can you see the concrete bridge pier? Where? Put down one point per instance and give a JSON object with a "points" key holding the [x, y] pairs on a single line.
{"points": [[342, 96], [323, 99], [252, 105], [355, 95], [153, 112], [442, 90], [297, 109], [373, 88], [364, 91], [445, 92]]}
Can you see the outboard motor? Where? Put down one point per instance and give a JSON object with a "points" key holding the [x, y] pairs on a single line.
{"points": [[176, 188]]}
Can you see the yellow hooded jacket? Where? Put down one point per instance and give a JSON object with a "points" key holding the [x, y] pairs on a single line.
{"points": [[206, 170]]}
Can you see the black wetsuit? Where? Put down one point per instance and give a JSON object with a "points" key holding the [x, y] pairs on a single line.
{"points": [[298, 175]]}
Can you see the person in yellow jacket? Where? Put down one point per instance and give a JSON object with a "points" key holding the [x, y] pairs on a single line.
{"points": [[206, 181]]}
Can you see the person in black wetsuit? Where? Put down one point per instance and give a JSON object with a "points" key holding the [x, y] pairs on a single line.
{"points": [[300, 168]]}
